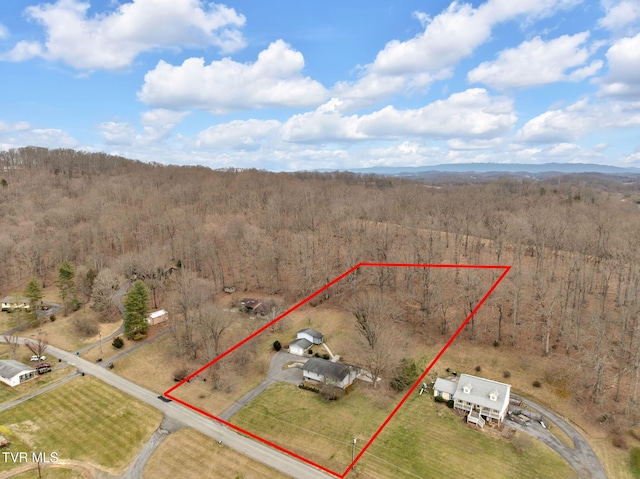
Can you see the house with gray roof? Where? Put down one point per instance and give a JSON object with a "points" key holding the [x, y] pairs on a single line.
{"points": [[13, 372], [324, 371], [9, 303], [484, 399]]}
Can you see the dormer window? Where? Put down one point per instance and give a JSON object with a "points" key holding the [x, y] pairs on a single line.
{"points": [[466, 389]]}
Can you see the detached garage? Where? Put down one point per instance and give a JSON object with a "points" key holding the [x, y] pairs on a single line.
{"points": [[14, 372]]}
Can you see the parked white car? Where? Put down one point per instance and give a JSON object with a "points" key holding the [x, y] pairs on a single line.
{"points": [[38, 358]]}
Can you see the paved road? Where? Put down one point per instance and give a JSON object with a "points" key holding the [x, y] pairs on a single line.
{"points": [[581, 458], [275, 375], [253, 449]]}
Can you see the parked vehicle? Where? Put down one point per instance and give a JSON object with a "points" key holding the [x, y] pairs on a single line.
{"points": [[43, 368], [35, 357]]}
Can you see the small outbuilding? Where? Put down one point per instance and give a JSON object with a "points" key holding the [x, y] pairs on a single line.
{"points": [[14, 372], [311, 335], [157, 317], [299, 346], [444, 388]]}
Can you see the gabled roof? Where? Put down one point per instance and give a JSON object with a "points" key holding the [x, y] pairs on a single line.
{"points": [[301, 342], [327, 368], [9, 368], [157, 314], [311, 332], [479, 391], [445, 385], [15, 299], [250, 303]]}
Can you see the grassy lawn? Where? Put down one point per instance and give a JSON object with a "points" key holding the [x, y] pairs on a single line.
{"points": [[85, 420], [51, 473], [10, 394], [422, 440], [187, 453]]}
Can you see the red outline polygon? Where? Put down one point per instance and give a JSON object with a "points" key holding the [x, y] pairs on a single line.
{"points": [[404, 398]]}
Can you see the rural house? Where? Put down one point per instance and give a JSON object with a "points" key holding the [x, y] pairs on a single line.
{"points": [[484, 399], [305, 338], [13, 372], [15, 302], [324, 371], [157, 317]]}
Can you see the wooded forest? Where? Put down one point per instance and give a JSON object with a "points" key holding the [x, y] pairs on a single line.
{"points": [[573, 291]]}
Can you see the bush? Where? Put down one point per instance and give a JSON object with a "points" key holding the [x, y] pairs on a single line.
{"points": [[85, 325], [439, 399], [276, 345], [179, 374], [496, 344], [536, 384], [118, 342], [619, 441], [450, 403], [52, 318], [326, 356], [331, 393], [478, 369], [308, 387], [406, 374], [506, 374]]}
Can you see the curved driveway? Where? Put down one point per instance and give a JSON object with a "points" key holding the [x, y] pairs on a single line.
{"points": [[581, 458]]}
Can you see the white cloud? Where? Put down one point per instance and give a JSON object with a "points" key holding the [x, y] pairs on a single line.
{"points": [[537, 62], [4, 32], [113, 40], [623, 79], [158, 124], [11, 127], [274, 80], [450, 36], [577, 120], [21, 133], [619, 14], [117, 133], [245, 135]]}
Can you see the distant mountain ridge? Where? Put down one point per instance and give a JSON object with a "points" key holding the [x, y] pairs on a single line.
{"points": [[509, 168]]}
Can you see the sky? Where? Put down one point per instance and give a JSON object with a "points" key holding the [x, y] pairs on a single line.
{"points": [[297, 85]]}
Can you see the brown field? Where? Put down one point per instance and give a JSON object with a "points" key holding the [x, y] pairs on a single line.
{"points": [[187, 453]]}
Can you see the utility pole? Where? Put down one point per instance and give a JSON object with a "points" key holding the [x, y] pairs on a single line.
{"points": [[353, 453], [100, 333]]}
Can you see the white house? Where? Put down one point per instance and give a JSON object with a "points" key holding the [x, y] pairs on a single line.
{"points": [[484, 399], [310, 335], [337, 374], [14, 372], [157, 317], [15, 302]]}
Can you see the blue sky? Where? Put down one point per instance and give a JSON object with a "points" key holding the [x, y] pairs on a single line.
{"points": [[290, 85]]}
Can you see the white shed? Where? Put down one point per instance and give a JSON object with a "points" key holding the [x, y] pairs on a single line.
{"points": [[310, 334], [157, 317], [299, 346]]}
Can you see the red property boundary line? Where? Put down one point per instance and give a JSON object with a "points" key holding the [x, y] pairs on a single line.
{"points": [[505, 270]]}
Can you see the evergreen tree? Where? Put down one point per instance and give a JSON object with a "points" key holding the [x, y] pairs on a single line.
{"points": [[33, 293], [136, 307], [67, 286]]}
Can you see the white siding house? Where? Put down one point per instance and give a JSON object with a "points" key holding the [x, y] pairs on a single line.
{"points": [[324, 371], [482, 398], [15, 302], [14, 372]]}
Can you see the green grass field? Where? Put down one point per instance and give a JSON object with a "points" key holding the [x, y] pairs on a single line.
{"points": [[187, 453], [83, 419], [424, 439], [51, 473]]}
